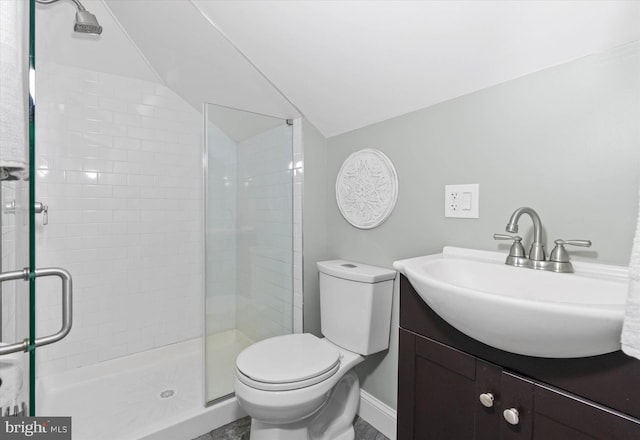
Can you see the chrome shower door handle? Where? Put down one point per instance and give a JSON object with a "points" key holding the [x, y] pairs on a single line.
{"points": [[67, 298], [67, 311]]}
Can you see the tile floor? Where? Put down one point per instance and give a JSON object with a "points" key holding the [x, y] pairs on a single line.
{"points": [[239, 430]]}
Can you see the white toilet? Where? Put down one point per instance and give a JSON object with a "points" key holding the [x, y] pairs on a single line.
{"points": [[301, 387]]}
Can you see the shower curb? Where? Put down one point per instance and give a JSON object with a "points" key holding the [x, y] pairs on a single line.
{"points": [[211, 418]]}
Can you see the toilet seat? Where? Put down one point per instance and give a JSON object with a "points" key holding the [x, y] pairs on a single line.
{"points": [[287, 362]]}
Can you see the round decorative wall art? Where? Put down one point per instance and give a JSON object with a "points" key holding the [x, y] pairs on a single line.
{"points": [[367, 188]]}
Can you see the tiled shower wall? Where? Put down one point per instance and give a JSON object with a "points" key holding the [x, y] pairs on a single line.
{"points": [[264, 257], [221, 231], [119, 164], [249, 234]]}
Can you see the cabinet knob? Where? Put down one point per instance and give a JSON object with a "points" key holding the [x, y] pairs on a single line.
{"points": [[512, 416], [486, 399]]}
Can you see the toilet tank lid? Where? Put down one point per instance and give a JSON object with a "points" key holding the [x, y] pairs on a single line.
{"points": [[349, 270]]}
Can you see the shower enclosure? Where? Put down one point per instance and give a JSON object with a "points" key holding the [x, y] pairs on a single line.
{"points": [[249, 237], [117, 174]]}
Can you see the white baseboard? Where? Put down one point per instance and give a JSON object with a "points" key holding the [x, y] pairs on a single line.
{"points": [[378, 414]]}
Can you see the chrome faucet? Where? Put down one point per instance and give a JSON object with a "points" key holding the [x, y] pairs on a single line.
{"points": [[536, 253], [559, 257]]}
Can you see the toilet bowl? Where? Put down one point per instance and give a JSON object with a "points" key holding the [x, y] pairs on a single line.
{"points": [[302, 387], [290, 404]]}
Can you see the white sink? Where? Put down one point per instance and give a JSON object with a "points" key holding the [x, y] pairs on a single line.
{"points": [[523, 311]]}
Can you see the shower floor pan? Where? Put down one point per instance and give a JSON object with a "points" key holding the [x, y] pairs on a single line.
{"points": [[154, 395]]}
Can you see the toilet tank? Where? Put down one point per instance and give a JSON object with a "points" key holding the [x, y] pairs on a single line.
{"points": [[355, 305]]}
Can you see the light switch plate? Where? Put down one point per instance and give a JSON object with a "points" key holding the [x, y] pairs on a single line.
{"points": [[462, 201]]}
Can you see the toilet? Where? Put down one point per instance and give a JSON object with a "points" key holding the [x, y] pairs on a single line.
{"points": [[301, 387]]}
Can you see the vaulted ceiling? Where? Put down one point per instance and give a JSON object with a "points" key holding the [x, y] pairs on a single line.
{"points": [[348, 64]]}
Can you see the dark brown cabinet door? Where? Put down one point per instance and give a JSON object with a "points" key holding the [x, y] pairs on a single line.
{"points": [[406, 384], [549, 414], [558, 416], [439, 399], [444, 390], [517, 400], [488, 407]]}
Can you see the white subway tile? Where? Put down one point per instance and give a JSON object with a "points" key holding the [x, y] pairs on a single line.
{"points": [[111, 129], [140, 132], [97, 140], [124, 186], [140, 180], [97, 165], [69, 164], [116, 105], [112, 179], [126, 143], [139, 156], [125, 119], [142, 110]]}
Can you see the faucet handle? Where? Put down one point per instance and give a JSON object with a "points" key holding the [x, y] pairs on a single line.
{"points": [[507, 237], [517, 250], [583, 243], [559, 253]]}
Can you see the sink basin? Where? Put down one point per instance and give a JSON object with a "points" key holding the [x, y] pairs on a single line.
{"points": [[523, 311]]}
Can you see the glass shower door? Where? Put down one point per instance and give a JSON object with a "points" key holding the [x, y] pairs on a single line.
{"points": [[15, 386], [249, 237], [18, 209]]}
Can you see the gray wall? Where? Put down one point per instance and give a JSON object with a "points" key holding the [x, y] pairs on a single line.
{"points": [[564, 141]]}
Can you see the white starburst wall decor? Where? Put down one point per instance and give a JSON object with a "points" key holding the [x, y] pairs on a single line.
{"points": [[367, 188]]}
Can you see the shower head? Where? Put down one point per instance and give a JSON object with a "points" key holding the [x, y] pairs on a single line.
{"points": [[86, 22]]}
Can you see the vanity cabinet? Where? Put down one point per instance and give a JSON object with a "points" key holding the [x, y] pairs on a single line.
{"points": [[443, 374]]}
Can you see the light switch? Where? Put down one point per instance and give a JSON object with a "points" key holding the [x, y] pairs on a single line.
{"points": [[466, 201]]}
